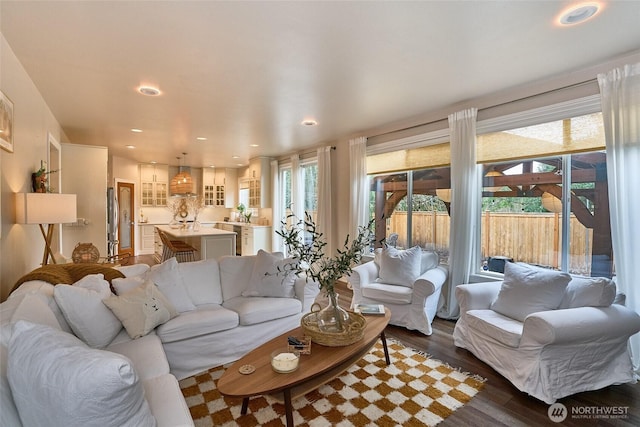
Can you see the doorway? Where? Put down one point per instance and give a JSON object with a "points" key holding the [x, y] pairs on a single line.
{"points": [[126, 225]]}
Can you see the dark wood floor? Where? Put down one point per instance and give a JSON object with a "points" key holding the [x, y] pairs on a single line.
{"points": [[499, 403]]}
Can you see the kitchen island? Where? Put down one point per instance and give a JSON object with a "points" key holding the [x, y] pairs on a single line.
{"points": [[209, 241]]}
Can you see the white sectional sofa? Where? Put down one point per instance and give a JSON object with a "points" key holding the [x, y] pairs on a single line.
{"points": [[551, 334], [210, 312]]}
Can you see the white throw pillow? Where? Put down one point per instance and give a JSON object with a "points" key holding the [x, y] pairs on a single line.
{"points": [[32, 307], [82, 306], [122, 285], [428, 260], [168, 279], [141, 309], [588, 292], [267, 281], [527, 289], [56, 380], [400, 267]]}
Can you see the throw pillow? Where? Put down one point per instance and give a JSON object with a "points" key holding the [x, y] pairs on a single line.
{"points": [[267, 281], [126, 284], [167, 278], [400, 267], [82, 307], [32, 307], [141, 309], [527, 289], [588, 292], [72, 384], [428, 260]]}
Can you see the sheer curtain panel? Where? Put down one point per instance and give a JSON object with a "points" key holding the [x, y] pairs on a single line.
{"points": [[359, 201], [464, 207], [324, 196], [276, 203], [620, 94]]}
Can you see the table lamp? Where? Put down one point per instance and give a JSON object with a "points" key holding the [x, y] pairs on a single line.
{"points": [[45, 208]]}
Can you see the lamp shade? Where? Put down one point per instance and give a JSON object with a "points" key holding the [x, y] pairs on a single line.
{"points": [[492, 174], [551, 202], [182, 183], [45, 208]]}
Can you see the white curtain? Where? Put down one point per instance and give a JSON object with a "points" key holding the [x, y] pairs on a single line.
{"points": [[464, 207], [297, 188], [620, 95], [276, 209], [324, 222], [359, 200]]}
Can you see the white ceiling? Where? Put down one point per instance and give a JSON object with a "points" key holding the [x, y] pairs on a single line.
{"points": [[242, 73]]}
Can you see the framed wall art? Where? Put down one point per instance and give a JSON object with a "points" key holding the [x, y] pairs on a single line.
{"points": [[6, 123]]}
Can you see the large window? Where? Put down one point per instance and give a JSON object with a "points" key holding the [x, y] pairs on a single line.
{"points": [[550, 211], [309, 181], [413, 206], [410, 193]]}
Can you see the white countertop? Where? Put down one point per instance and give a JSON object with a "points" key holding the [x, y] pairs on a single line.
{"points": [[212, 224], [205, 230]]}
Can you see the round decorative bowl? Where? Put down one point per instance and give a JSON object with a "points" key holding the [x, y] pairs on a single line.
{"points": [[284, 360]]}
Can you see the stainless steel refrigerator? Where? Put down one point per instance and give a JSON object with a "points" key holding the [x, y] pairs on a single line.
{"points": [[112, 223]]}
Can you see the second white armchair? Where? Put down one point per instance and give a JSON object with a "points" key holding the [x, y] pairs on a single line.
{"points": [[407, 282]]}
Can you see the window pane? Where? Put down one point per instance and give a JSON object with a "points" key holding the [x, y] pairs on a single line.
{"points": [[414, 214], [310, 179], [515, 225], [591, 250], [522, 210]]}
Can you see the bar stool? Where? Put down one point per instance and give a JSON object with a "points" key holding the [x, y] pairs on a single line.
{"points": [[176, 248]]}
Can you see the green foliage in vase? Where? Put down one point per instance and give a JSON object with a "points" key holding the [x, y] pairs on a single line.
{"points": [[307, 246]]}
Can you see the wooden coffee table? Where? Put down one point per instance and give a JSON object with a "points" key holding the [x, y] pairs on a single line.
{"points": [[319, 367]]}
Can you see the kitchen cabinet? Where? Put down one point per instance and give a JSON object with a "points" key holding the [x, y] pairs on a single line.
{"points": [[147, 239], [154, 185], [258, 175], [219, 187], [254, 239]]}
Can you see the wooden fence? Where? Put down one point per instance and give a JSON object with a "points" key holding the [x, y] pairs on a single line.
{"points": [[533, 238]]}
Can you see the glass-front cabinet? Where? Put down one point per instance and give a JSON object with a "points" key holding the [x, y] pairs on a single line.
{"points": [[219, 187], [154, 184]]}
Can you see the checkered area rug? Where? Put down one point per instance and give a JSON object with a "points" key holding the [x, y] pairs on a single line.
{"points": [[414, 390]]}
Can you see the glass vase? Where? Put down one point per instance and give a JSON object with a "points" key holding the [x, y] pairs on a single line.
{"points": [[196, 224], [333, 318]]}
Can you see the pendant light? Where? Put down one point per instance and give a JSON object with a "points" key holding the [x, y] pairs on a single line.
{"points": [[492, 174], [182, 183]]}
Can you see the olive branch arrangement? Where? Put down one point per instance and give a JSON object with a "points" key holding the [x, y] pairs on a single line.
{"points": [[309, 255]]}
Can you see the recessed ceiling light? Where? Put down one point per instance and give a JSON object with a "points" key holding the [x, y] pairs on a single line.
{"points": [[578, 13], [136, 130], [153, 162], [239, 164], [253, 145], [235, 157], [309, 122], [212, 166], [201, 138], [130, 147], [149, 90]]}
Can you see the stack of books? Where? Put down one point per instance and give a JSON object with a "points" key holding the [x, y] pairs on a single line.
{"points": [[369, 308]]}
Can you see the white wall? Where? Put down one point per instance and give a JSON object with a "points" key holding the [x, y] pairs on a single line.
{"points": [[84, 173], [21, 246]]}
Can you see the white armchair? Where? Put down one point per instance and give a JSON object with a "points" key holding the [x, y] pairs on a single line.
{"points": [[578, 345], [412, 307]]}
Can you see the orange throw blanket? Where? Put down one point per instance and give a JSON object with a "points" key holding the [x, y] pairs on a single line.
{"points": [[67, 273]]}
